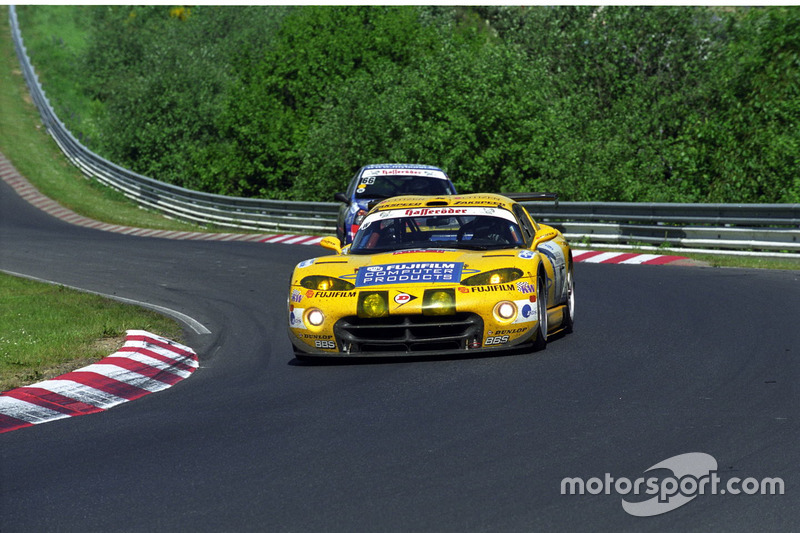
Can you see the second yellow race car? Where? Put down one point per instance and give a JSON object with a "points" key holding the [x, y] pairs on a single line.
{"points": [[429, 275]]}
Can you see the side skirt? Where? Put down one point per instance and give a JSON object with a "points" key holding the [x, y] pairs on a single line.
{"points": [[555, 319]]}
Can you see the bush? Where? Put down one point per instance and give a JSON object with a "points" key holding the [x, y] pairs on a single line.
{"points": [[598, 103]]}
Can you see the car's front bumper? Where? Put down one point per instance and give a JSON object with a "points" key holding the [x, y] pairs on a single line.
{"points": [[408, 336]]}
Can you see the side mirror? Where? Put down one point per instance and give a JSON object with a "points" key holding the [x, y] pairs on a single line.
{"points": [[340, 197], [332, 243], [543, 236]]}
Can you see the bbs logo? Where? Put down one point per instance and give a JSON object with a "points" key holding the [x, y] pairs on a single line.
{"points": [[500, 339], [325, 345]]}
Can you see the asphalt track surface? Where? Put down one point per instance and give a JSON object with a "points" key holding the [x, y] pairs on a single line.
{"points": [[664, 360]]}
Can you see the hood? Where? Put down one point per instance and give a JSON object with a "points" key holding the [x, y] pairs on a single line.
{"points": [[403, 267]]}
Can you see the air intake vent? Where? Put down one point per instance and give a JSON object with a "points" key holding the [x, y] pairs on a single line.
{"points": [[437, 203]]}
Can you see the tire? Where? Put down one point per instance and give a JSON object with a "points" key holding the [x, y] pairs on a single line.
{"points": [[541, 306], [569, 319]]}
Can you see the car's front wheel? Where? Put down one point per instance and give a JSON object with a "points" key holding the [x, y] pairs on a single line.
{"points": [[541, 306], [569, 318]]}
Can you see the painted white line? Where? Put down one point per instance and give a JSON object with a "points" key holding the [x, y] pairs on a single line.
{"points": [[196, 326]]}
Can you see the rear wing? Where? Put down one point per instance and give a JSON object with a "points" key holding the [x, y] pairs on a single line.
{"points": [[531, 196]]}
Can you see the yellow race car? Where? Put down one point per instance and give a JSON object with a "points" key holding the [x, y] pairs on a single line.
{"points": [[429, 275]]}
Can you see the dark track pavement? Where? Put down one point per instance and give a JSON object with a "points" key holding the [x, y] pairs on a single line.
{"points": [[664, 361]]}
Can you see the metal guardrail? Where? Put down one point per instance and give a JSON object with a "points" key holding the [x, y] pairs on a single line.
{"points": [[205, 208], [761, 227]]}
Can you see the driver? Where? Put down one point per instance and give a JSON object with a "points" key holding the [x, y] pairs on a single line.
{"points": [[488, 228]]}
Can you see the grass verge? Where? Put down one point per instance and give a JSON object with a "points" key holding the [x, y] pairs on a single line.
{"points": [[774, 263], [26, 143], [48, 330]]}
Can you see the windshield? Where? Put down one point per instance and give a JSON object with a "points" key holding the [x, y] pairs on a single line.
{"points": [[471, 228], [388, 185]]}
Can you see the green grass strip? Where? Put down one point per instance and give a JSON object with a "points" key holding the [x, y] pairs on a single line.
{"points": [[47, 330]]}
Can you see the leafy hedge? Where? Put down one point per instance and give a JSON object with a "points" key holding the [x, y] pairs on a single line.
{"points": [[682, 104]]}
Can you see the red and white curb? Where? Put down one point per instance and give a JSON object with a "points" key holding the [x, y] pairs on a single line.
{"points": [[28, 192], [147, 363], [622, 258]]}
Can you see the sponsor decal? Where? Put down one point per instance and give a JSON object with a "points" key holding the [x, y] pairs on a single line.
{"points": [[296, 296], [525, 288], [550, 249], [491, 341], [401, 171], [426, 211], [493, 288], [433, 272], [403, 298], [526, 254], [313, 336], [296, 318], [463, 290], [325, 345], [419, 251], [407, 210], [507, 331], [306, 263], [477, 201], [330, 294], [527, 312]]}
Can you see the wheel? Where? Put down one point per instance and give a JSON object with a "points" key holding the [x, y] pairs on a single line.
{"points": [[541, 306], [569, 319]]}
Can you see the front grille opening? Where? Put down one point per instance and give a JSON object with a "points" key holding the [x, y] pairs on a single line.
{"points": [[408, 333]]}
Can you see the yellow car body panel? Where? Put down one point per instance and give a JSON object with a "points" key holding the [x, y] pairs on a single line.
{"points": [[432, 296]]}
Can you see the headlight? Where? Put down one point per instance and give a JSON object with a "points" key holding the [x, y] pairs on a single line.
{"points": [[494, 277], [326, 283], [373, 304], [505, 310], [315, 317], [439, 302]]}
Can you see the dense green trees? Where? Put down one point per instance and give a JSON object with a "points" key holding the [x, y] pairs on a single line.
{"points": [[598, 103]]}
